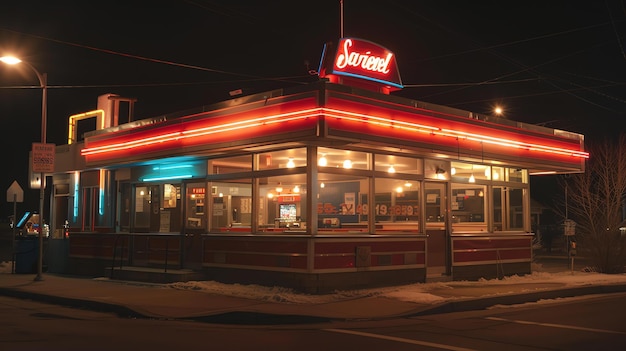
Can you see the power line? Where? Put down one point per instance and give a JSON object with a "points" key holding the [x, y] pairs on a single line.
{"points": [[148, 59], [525, 67], [469, 84], [146, 84], [535, 94], [619, 41]]}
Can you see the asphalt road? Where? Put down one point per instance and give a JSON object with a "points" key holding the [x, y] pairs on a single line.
{"points": [[588, 323]]}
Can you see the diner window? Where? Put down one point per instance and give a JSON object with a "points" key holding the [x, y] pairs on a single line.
{"points": [[196, 207], [397, 164], [516, 208], [345, 159], [342, 203], [145, 199], [170, 209], [280, 159], [282, 204], [497, 173], [468, 205], [231, 206], [469, 173], [396, 205], [508, 208], [517, 175], [125, 206], [435, 204], [230, 164]]}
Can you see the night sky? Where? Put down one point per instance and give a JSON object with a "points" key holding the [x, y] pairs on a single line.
{"points": [[561, 64]]}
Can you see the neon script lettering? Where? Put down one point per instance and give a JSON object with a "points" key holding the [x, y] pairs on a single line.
{"points": [[366, 61]]}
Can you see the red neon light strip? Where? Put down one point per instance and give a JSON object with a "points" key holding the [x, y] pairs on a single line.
{"points": [[222, 128], [339, 114], [357, 117]]}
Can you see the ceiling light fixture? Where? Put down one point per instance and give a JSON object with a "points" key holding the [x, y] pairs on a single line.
{"points": [[322, 161]]}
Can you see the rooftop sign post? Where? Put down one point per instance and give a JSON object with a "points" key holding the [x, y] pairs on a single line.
{"points": [[361, 63]]}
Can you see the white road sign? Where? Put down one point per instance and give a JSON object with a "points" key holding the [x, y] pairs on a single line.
{"points": [[43, 157], [15, 192]]}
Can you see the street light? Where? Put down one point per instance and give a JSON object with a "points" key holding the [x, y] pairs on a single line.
{"points": [[44, 97], [498, 110]]}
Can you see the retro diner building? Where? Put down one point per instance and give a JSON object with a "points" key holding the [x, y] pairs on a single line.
{"points": [[332, 185]]}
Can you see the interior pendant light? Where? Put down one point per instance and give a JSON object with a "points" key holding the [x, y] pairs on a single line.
{"points": [[290, 163], [322, 161]]}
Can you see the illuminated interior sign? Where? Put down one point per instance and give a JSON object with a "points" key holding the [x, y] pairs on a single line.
{"points": [[361, 59]]}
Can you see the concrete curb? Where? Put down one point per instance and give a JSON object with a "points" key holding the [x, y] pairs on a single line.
{"points": [[482, 303], [119, 310]]}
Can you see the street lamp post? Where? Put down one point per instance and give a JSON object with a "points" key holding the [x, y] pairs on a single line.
{"points": [[44, 103]]}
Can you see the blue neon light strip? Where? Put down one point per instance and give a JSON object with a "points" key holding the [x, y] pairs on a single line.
{"points": [[368, 78], [75, 209], [157, 168], [182, 176], [101, 202]]}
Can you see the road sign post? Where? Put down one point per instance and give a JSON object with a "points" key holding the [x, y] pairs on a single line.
{"points": [[15, 194]]}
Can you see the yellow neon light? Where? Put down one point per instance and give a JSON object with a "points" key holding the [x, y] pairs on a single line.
{"points": [[71, 135], [339, 114]]}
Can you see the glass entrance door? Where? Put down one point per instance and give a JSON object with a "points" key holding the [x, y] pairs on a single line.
{"points": [[436, 208]]}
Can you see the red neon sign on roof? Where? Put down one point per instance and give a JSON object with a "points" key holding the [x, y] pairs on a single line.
{"points": [[363, 60]]}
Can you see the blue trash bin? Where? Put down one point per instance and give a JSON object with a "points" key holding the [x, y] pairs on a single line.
{"points": [[26, 254]]}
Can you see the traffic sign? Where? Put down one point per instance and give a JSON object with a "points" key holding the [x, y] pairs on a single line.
{"points": [[43, 157], [570, 227], [15, 192]]}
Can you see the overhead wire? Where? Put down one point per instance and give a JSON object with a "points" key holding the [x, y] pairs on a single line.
{"points": [[510, 60], [148, 59], [619, 41]]}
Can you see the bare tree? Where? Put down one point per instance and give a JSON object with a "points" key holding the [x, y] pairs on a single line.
{"points": [[595, 201]]}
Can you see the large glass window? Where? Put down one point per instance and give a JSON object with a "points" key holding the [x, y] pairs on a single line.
{"points": [[396, 205], [157, 208], [435, 204], [342, 203], [125, 206], [146, 202], [345, 159], [397, 164], [516, 208], [196, 207], [230, 164], [231, 206], [282, 203], [468, 205], [517, 175], [290, 158], [470, 173], [508, 208]]}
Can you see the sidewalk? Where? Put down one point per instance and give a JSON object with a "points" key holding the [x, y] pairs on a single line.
{"points": [[180, 301]]}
